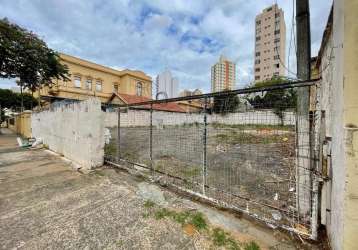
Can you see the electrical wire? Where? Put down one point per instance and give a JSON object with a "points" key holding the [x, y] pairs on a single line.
{"points": [[275, 48]]}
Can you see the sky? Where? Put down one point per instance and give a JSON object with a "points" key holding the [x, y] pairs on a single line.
{"points": [[185, 36]]}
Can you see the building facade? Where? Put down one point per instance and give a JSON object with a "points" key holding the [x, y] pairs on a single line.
{"points": [[270, 44], [91, 79], [166, 85], [223, 75]]}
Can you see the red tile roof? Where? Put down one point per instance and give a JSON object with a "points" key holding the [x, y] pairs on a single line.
{"points": [[170, 106]]}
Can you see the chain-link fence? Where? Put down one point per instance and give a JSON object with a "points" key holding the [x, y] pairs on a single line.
{"points": [[241, 149]]}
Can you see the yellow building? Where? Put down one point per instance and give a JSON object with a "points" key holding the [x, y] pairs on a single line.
{"points": [[91, 79]]}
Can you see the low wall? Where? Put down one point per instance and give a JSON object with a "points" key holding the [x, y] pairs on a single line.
{"points": [[74, 130], [21, 124], [142, 118]]}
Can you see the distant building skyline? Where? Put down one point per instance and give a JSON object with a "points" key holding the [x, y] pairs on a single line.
{"points": [[223, 75], [270, 44], [166, 86]]}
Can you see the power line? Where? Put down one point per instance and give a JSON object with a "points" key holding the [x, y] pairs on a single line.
{"points": [[275, 47]]}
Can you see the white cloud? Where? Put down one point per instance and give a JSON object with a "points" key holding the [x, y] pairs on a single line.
{"points": [[149, 35]]}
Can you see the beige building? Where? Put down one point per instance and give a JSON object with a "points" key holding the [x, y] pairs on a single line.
{"points": [[223, 75], [270, 43], [91, 79]]}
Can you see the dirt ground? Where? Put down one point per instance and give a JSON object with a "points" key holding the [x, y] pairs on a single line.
{"points": [[45, 204]]}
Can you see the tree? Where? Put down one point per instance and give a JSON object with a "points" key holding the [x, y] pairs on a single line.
{"points": [[11, 100], [278, 100], [225, 104], [26, 57]]}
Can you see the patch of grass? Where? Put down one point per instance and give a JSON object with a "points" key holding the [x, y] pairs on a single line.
{"points": [[149, 204], [198, 220], [251, 246], [221, 238], [181, 217], [162, 213]]}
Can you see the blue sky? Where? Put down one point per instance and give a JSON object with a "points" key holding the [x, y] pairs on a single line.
{"points": [[186, 36]]}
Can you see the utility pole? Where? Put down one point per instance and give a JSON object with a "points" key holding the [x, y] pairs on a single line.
{"points": [[303, 171]]}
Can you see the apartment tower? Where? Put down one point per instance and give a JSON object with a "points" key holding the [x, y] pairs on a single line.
{"points": [[166, 85], [223, 75], [270, 43]]}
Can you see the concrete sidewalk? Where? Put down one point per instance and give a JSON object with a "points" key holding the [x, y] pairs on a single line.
{"points": [[44, 203]]}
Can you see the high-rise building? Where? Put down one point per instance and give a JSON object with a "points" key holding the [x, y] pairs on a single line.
{"points": [[166, 85], [223, 75], [270, 43]]}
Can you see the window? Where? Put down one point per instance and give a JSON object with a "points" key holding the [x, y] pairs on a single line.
{"points": [[139, 89], [99, 85], [257, 54], [277, 32], [277, 65], [77, 81], [258, 22], [277, 15], [257, 70], [88, 84], [257, 61], [115, 87], [257, 77], [258, 38], [276, 74], [277, 40], [276, 57]]}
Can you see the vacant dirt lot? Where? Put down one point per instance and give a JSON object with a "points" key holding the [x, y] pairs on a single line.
{"points": [[255, 162]]}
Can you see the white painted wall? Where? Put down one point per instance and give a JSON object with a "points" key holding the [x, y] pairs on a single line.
{"points": [[75, 130], [135, 118]]}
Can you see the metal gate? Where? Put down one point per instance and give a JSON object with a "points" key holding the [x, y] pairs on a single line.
{"points": [[250, 149]]}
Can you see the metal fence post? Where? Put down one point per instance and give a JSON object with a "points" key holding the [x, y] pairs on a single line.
{"points": [[151, 139], [204, 164], [119, 135]]}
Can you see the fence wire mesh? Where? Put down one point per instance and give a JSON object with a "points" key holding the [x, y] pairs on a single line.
{"points": [[251, 151]]}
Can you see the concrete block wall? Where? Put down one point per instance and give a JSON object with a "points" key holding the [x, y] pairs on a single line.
{"points": [[74, 130]]}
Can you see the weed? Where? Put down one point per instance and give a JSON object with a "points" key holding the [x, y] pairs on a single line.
{"points": [[162, 213], [251, 246], [149, 204], [181, 217], [223, 239], [198, 220], [219, 237], [145, 215]]}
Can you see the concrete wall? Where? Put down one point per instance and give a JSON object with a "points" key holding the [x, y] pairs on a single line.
{"points": [[142, 118], [74, 130], [338, 94], [22, 124]]}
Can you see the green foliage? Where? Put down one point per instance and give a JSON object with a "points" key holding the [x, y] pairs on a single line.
{"points": [[278, 100], [225, 104], [12, 100], [251, 246], [149, 204], [198, 220], [223, 239], [27, 57]]}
